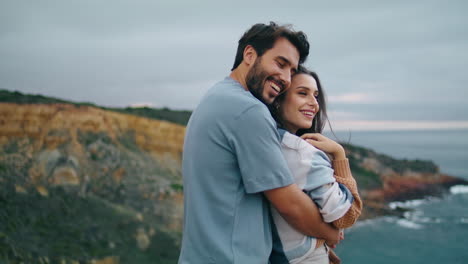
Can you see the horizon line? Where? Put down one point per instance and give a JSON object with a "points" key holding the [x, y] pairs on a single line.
{"points": [[392, 125]]}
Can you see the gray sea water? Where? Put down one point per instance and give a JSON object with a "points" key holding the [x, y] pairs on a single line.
{"points": [[436, 228]]}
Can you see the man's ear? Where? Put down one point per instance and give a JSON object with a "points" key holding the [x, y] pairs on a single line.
{"points": [[250, 55]]}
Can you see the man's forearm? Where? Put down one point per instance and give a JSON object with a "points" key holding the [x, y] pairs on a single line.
{"points": [[306, 218], [301, 212]]}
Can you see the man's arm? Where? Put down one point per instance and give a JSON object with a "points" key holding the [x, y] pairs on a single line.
{"points": [[301, 212]]}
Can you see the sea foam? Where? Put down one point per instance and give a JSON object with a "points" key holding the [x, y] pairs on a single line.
{"points": [[409, 224], [457, 189], [407, 204]]}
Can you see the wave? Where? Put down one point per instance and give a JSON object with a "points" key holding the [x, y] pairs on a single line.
{"points": [[418, 216], [368, 222], [420, 213], [409, 224], [457, 189], [402, 222], [411, 204]]}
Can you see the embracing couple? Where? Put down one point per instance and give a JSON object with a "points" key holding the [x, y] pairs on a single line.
{"points": [[261, 184]]}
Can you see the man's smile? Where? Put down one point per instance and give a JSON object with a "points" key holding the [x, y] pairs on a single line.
{"points": [[275, 85]]}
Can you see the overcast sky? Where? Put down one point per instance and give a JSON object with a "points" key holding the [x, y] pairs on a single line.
{"points": [[379, 61]]}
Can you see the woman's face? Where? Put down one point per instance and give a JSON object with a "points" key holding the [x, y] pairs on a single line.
{"points": [[300, 105]]}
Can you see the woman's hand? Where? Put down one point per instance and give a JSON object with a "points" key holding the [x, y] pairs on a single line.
{"points": [[325, 144]]}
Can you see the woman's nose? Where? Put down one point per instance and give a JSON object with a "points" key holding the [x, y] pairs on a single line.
{"points": [[313, 101]]}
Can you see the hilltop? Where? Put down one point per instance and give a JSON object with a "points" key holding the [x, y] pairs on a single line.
{"points": [[180, 117]]}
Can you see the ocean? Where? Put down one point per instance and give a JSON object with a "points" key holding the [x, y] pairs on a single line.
{"points": [[435, 230]]}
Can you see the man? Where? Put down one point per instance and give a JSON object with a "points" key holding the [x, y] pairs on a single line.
{"points": [[232, 158]]}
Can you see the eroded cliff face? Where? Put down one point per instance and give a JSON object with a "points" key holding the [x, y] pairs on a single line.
{"points": [[71, 128], [130, 165], [51, 126]]}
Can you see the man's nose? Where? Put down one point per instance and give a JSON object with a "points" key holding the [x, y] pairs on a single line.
{"points": [[286, 78]]}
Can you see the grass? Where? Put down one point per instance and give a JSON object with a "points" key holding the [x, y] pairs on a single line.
{"points": [[68, 227], [365, 178], [398, 165]]}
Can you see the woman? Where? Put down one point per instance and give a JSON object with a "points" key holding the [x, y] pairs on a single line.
{"points": [[301, 116]]}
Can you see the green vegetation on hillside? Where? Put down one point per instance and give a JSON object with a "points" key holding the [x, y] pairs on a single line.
{"points": [[64, 227], [398, 165], [20, 98], [180, 117], [366, 178], [121, 208]]}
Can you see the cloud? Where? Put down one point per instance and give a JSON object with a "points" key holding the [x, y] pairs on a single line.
{"points": [[414, 111], [168, 53], [180, 94], [351, 98]]}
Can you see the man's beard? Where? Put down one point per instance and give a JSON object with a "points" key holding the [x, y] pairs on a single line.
{"points": [[255, 80]]}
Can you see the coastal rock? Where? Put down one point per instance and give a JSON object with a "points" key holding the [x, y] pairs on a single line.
{"points": [[383, 179], [65, 176], [106, 260], [142, 239], [70, 156]]}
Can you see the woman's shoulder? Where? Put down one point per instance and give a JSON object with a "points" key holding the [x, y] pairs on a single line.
{"points": [[292, 141]]}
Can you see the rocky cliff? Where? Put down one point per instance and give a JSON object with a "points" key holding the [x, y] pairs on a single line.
{"points": [[382, 179], [79, 183], [88, 173]]}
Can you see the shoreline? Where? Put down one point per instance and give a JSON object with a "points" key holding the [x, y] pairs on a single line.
{"points": [[397, 205], [409, 212]]}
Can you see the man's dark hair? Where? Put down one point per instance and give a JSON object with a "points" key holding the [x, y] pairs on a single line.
{"points": [[262, 37]]}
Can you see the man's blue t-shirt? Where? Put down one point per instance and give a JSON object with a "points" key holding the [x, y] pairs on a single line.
{"points": [[231, 155]]}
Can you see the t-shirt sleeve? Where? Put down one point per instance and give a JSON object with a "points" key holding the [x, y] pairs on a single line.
{"points": [[257, 148]]}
